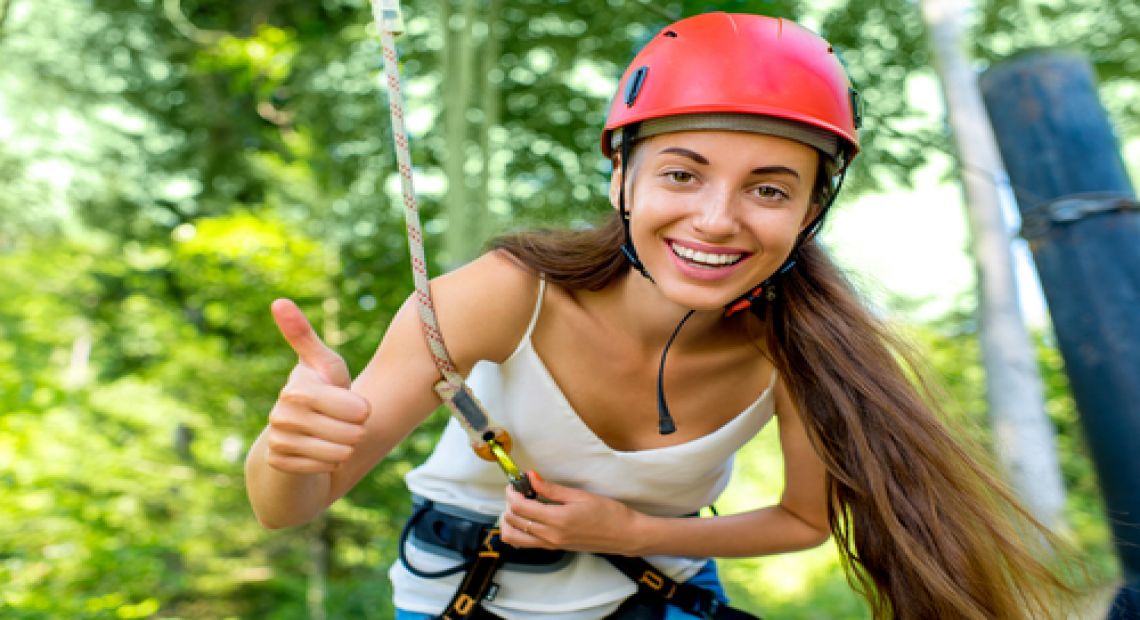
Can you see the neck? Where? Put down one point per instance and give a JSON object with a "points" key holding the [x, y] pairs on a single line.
{"points": [[639, 309]]}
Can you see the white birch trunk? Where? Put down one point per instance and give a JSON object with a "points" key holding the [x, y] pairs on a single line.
{"points": [[459, 244], [483, 224], [1024, 435]]}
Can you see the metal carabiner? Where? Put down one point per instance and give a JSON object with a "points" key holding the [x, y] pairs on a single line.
{"points": [[518, 480]]}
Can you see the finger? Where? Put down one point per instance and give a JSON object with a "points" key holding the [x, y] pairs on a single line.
{"points": [[549, 491], [520, 532], [306, 446], [309, 347], [312, 394], [518, 505], [302, 421], [526, 525], [291, 464]]}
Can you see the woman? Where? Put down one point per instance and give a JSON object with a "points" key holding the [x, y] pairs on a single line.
{"points": [[730, 136]]}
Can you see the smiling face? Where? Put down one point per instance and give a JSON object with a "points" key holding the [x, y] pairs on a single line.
{"points": [[714, 213]]}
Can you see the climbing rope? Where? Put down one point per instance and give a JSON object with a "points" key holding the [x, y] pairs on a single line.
{"points": [[490, 441]]}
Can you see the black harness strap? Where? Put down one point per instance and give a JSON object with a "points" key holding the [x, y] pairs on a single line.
{"points": [[654, 589], [654, 585], [468, 600]]}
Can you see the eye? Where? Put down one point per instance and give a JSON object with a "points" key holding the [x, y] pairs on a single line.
{"points": [[770, 192], [679, 176]]}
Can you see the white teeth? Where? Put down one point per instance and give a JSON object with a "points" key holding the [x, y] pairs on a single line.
{"points": [[704, 258]]}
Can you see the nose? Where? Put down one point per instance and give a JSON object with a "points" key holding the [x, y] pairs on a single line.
{"points": [[717, 218]]}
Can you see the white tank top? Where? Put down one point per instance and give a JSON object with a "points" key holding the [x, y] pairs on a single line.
{"points": [[550, 437]]}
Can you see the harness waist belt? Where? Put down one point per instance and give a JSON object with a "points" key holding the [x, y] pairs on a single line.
{"points": [[474, 539], [444, 529]]}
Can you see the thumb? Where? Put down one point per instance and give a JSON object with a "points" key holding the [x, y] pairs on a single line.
{"points": [[549, 491], [311, 350]]}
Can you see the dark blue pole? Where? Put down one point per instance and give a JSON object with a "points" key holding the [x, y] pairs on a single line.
{"points": [[1080, 216]]}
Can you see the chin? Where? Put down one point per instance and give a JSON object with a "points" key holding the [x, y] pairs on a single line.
{"points": [[699, 300]]}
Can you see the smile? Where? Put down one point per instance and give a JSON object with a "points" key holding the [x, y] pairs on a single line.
{"points": [[705, 259]]}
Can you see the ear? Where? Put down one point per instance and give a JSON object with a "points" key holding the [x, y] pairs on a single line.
{"points": [[615, 181], [814, 206]]}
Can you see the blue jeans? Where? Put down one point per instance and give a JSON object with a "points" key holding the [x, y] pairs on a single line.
{"points": [[706, 578]]}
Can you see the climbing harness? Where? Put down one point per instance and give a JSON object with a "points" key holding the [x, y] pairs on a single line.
{"points": [[490, 441], [475, 540]]}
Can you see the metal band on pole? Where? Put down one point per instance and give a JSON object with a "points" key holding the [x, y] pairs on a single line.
{"points": [[1037, 220]]}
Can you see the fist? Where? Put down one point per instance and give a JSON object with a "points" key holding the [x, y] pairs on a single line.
{"points": [[317, 421]]}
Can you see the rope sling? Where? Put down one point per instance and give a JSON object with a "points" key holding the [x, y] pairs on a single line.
{"points": [[490, 441]]}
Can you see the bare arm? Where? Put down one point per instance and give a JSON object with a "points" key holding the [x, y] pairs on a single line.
{"points": [[587, 522], [325, 434]]}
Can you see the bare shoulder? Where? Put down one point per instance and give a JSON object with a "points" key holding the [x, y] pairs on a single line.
{"points": [[484, 307]]}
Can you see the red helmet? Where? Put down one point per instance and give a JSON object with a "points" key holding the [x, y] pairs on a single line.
{"points": [[739, 68]]}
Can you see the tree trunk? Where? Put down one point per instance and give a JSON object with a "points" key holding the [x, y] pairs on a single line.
{"points": [[317, 589], [1023, 433], [459, 244], [5, 6], [483, 224]]}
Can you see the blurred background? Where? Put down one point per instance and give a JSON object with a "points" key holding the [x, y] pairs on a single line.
{"points": [[169, 167]]}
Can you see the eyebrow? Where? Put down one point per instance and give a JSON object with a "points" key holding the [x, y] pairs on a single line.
{"points": [[693, 155], [701, 159], [776, 170]]}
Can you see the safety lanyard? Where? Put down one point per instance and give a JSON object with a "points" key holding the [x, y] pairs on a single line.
{"points": [[490, 441]]}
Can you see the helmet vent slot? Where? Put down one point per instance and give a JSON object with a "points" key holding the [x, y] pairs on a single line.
{"points": [[633, 87], [856, 107]]}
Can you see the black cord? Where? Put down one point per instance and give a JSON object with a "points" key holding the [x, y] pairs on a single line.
{"points": [[665, 423], [415, 518]]}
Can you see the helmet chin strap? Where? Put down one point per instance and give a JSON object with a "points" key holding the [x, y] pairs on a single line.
{"points": [[629, 134], [665, 424]]}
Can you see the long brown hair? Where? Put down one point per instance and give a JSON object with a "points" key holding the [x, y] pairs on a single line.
{"points": [[924, 530]]}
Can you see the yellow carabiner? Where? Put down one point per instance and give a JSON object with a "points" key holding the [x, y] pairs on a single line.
{"points": [[517, 479]]}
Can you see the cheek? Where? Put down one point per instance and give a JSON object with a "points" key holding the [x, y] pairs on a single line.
{"points": [[650, 213], [775, 227], [642, 229]]}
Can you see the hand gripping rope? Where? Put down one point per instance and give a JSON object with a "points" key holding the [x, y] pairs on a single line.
{"points": [[490, 441]]}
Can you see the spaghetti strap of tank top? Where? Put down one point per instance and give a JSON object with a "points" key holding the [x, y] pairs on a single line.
{"points": [[533, 317]]}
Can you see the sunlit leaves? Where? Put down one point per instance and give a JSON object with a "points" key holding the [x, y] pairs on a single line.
{"points": [[264, 57]]}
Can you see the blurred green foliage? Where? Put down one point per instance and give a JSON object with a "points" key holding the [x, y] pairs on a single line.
{"points": [[170, 167]]}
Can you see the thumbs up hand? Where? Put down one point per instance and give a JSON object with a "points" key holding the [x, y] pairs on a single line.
{"points": [[317, 420]]}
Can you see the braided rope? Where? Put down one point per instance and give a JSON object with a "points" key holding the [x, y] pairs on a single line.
{"points": [[386, 14]]}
